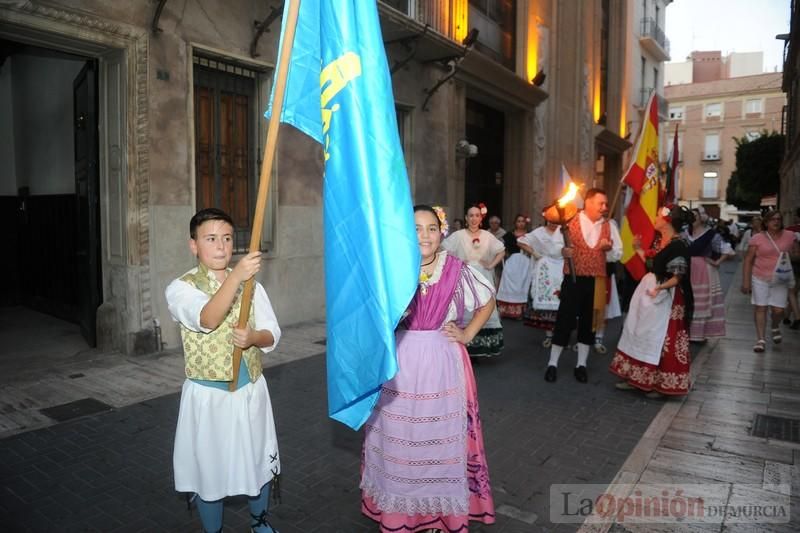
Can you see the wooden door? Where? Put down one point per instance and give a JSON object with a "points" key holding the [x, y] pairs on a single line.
{"points": [[87, 184], [485, 128]]}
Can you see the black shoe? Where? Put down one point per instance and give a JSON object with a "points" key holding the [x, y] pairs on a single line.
{"points": [[580, 374], [551, 374], [787, 321], [260, 521], [795, 325]]}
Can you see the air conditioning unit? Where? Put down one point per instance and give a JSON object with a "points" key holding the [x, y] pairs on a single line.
{"points": [[711, 157]]}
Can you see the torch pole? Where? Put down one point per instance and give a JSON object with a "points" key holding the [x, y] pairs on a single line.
{"points": [[565, 234]]}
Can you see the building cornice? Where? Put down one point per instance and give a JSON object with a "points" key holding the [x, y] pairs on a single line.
{"points": [[480, 71]]}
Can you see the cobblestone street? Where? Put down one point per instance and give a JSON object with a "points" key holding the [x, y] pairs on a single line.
{"points": [[113, 471]]}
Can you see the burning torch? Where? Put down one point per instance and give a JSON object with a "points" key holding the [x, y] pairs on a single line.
{"points": [[561, 212]]}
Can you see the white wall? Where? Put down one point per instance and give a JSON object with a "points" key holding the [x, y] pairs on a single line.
{"points": [[677, 73], [43, 133], [8, 173], [745, 63]]}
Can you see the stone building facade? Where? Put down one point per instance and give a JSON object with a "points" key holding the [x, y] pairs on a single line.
{"points": [[168, 100], [789, 194]]}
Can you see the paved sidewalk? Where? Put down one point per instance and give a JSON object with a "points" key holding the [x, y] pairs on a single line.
{"points": [[58, 369], [707, 438]]}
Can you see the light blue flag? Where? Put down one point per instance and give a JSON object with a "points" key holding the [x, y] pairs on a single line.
{"points": [[339, 92]]}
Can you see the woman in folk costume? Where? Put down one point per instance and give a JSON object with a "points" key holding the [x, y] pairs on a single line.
{"points": [[482, 251], [544, 245], [512, 294], [424, 465], [707, 249], [653, 351]]}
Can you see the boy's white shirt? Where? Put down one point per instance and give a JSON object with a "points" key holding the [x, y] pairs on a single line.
{"points": [[185, 303]]}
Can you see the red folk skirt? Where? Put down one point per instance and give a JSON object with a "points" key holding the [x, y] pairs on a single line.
{"points": [[671, 375]]}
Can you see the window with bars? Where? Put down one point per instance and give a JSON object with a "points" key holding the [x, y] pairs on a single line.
{"points": [[226, 114]]}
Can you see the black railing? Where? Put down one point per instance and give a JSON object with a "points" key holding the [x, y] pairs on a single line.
{"points": [[650, 28], [663, 106], [400, 5]]}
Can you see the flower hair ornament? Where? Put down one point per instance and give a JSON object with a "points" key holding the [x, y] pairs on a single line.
{"points": [[442, 216], [483, 209], [677, 215]]}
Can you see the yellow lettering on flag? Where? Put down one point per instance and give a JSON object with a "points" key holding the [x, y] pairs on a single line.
{"points": [[334, 77]]}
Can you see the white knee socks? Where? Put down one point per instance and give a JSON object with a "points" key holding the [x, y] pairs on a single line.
{"points": [[583, 354], [555, 353]]}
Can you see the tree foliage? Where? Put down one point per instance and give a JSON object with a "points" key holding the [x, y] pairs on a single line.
{"points": [[756, 175]]}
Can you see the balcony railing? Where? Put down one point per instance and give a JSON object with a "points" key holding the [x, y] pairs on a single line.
{"points": [[663, 106], [440, 16], [652, 33]]}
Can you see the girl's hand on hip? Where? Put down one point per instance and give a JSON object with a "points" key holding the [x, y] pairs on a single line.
{"points": [[455, 333]]}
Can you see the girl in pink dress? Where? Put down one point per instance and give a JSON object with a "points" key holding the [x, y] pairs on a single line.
{"points": [[424, 465]]}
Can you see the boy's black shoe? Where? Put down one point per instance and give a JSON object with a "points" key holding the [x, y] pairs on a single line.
{"points": [[551, 374], [580, 374]]}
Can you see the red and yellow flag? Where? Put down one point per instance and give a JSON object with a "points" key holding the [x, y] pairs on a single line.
{"points": [[642, 178]]}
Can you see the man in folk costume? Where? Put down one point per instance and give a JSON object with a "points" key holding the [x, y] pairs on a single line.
{"points": [[583, 302], [225, 442]]}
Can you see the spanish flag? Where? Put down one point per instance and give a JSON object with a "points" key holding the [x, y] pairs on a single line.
{"points": [[642, 178]]}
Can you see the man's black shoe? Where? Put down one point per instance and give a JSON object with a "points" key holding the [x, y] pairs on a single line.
{"points": [[551, 374], [580, 374]]}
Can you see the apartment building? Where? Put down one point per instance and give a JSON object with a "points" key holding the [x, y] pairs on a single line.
{"points": [[709, 116], [648, 51], [703, 66]]}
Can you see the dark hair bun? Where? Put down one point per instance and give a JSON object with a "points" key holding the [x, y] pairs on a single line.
{"points": [[681, 216]]}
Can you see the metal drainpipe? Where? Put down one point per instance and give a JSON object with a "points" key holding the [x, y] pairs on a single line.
{"points": [[157, 334]]}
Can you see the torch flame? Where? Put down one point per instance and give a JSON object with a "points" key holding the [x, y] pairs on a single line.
{"points": [[569, 196]]}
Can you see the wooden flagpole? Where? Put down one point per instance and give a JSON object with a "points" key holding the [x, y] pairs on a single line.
{"points": [[266, 171], [645, 118], [611, 209]]}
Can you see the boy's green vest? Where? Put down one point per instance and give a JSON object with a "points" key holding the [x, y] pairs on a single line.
{"points": [[209, 356]]}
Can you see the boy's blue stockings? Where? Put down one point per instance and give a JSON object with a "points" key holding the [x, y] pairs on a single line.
{"points": [[259, 506], [210, 515]]}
